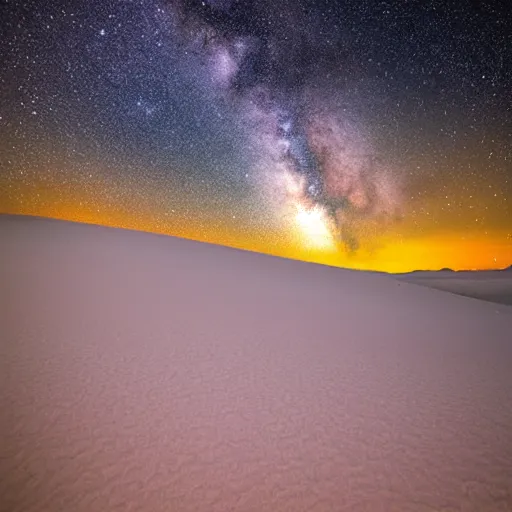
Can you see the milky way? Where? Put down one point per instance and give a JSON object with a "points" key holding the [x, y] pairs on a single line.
{"points": [[311, 159]]}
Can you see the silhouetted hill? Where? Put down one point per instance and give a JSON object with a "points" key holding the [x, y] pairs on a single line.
{"points": [[447, 269]]}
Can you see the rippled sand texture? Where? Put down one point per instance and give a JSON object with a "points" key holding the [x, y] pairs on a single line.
{"points": [[146, 373]]}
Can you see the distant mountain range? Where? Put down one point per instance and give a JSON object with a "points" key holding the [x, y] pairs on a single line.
{"points": [[447, 269]]}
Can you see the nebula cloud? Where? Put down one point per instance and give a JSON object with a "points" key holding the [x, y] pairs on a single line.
{"points": [[312, 162]]}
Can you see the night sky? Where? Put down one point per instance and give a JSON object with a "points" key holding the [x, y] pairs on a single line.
{"points": [[374, 135]]}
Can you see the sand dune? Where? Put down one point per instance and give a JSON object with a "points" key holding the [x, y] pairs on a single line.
{"points": [[146, 373], [490, 285]]}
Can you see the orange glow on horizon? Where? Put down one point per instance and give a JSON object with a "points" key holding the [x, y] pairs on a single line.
{"points": [[389, 253]]}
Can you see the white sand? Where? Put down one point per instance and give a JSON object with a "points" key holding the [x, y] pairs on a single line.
{"points": [[492, 285], [146, 373]]}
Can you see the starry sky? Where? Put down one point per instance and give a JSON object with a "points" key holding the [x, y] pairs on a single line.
{"points": [[365, 134]]}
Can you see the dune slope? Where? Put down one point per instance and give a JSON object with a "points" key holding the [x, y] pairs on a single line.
{"points": [[491, 285], [146, 373]]}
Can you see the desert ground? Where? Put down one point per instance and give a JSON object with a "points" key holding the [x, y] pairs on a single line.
{"points": [[148, 373], [491, 285]]}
